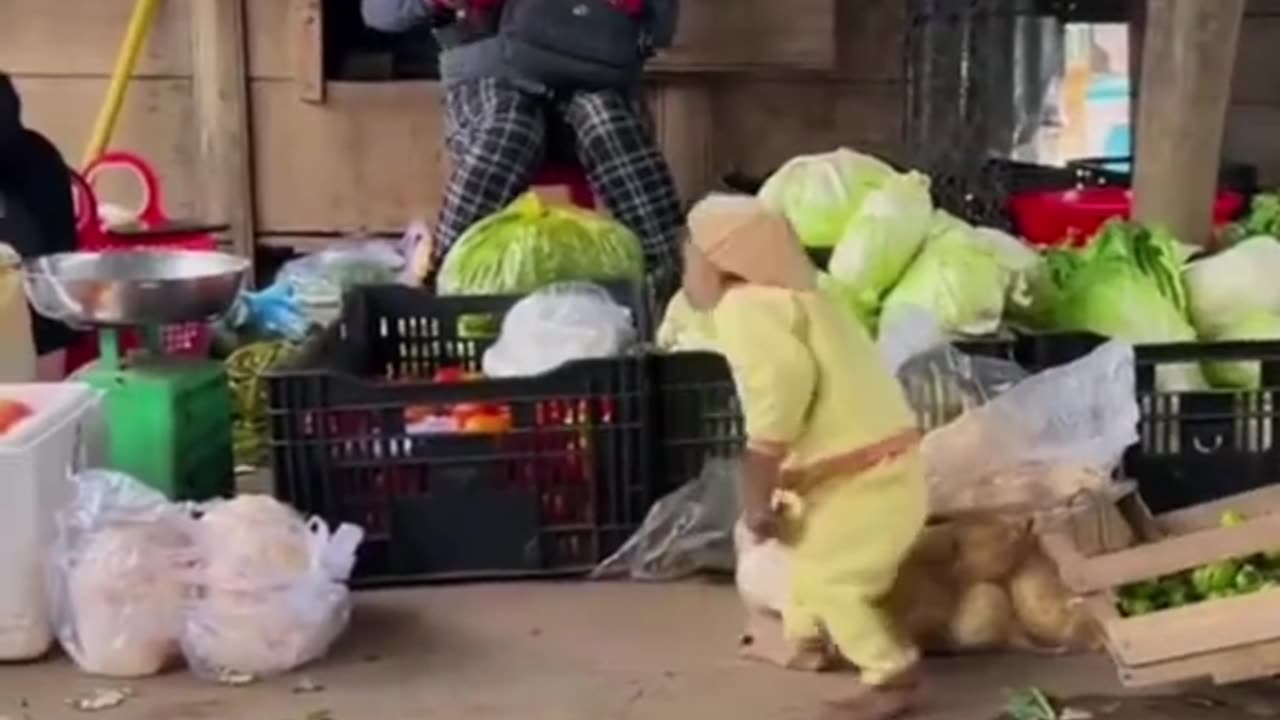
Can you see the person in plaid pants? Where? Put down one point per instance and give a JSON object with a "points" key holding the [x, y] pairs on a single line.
{"points": [[501, 122]]}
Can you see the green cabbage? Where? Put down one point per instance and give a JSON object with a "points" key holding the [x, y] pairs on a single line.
{"points": [[1257, 325], [1228, 287], [1127, 284], [881, 239], [960, 276], [818, 193], [529, 244]]}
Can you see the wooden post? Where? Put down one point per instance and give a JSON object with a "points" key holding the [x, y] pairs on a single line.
{"points": [[307, 23], [1188, 55], [220, 87]]}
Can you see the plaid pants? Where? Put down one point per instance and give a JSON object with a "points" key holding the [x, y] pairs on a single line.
{"points": [[497, 138]]}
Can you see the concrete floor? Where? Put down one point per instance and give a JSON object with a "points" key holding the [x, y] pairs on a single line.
{"points": [[538, 652]]}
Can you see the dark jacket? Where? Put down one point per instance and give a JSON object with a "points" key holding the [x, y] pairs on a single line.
{"points": [[37, 215], [470, 52]]}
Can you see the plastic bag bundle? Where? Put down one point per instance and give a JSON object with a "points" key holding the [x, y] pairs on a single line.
{"points": [[117, 576], [269, 594], [249, 588], [556, 325], [1049, 438]]}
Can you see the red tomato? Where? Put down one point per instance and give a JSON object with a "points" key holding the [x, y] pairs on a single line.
{"points": [[450, 375], [12, 412]]}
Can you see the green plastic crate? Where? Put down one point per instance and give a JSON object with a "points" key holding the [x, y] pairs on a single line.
{"points": [[169, 425]]}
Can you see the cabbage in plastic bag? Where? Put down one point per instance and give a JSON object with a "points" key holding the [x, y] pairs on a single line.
{"points": [[881, 239], [819, 193], [117, 579], [530, 244]]}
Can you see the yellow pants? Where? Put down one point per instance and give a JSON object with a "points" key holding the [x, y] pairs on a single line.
{"points": [[854, 534]]}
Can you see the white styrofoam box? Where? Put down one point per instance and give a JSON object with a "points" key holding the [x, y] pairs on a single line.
{"points": [[66, 432]]}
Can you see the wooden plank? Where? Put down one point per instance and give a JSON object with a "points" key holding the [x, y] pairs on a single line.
{"points": [[1253, 137], [82, 37], [221, 94], [1188, 55], [1210, 626], [1253, 81], [307, 23], [759, 124], [371, 157], [685, 132], [872, 40], [1225, 667], [714, 36], [1171, 555], [1255, 503], [156, 122]]}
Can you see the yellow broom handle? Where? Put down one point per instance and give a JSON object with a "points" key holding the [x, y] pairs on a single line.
{"points": [[144, 12]]}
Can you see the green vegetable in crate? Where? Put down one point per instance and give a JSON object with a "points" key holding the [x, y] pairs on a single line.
{"points": [[819, 193], [1263, 218], [530, 244], [1216, 578], [1127, 284], [245, 370]]}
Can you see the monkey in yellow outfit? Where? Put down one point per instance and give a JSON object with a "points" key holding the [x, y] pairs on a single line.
{"points": [[826, 423]]}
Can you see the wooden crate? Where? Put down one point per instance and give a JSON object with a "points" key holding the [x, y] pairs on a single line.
{"points": [[1227, 640]]}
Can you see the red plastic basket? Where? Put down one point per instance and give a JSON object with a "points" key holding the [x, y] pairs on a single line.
{"points": [[154, 230], [1070, 217]]}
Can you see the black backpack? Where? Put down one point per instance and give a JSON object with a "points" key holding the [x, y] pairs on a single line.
{"points": [[574, 43]]}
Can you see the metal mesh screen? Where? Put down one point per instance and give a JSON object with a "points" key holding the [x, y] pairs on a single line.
{"points": [[981, 81]]}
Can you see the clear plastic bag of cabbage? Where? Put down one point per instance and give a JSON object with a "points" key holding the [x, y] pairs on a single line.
{"points": [[531, 244], [881, 239], [963, 275], [818, 193], [1127, 284]]}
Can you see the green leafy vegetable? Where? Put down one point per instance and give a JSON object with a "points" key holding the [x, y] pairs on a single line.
{"points": [[1127, 284], [1263, 218], [1243, 375], [880, 240], [1238, 282], [819, 193], [962, 276], [529, 245]]}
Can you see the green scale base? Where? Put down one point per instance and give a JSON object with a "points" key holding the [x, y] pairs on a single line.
{"points": [[169, 424]]}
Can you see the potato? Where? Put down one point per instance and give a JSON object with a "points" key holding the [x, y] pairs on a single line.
{"points": [[989, 550], [983, 619]]}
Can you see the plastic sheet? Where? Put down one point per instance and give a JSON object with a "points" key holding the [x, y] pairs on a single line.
{"points": [[686, 532], [556, 325], [1051, 437]]}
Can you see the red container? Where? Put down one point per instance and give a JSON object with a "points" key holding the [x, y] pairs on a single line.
{"points": [[153, 230], [1070, 217]]}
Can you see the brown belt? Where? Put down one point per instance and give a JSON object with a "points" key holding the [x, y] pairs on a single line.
{"points": [[805, 479]]}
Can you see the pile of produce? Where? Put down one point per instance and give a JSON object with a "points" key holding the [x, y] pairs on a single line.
{"points": [[983, 584], [968, 586], [1222, 579], [891, 249]]}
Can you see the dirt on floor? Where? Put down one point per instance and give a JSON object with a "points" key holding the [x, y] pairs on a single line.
{"points": [[548, 652]]}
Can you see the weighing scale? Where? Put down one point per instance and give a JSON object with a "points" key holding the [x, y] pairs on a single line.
{"points": [[168, 418]]}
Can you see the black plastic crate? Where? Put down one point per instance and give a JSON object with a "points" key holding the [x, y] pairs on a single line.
{"points": [[698, 416], [1193, 447], [554, 493]]}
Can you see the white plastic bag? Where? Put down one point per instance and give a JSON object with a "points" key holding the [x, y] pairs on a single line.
{"points": [[556, 325], [269, 594], [117, 576], [1054, 435]]}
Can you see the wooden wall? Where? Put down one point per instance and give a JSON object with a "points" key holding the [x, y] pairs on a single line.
{"points": [[1253, 121], [748, 84]]}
